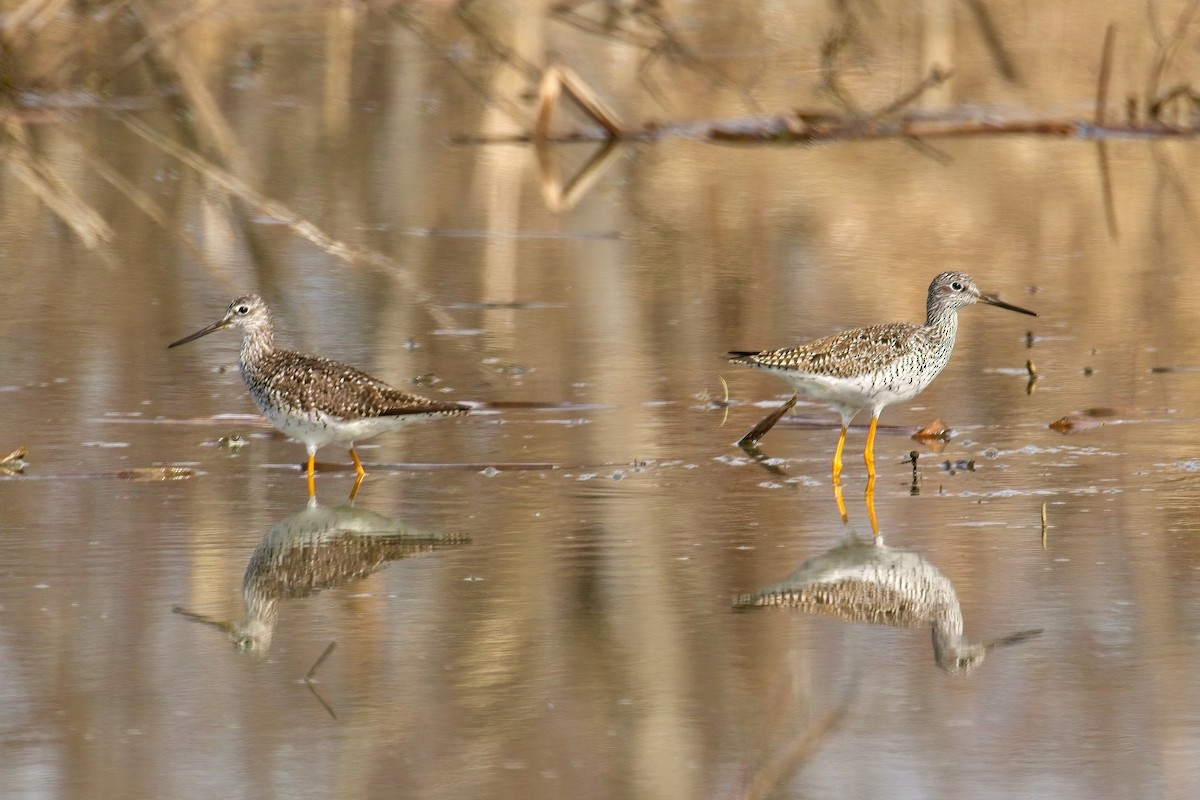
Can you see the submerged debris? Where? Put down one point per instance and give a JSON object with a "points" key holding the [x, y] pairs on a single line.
{"points": [[233, 441], [14, 463], [1083, 421], [145, 474]]}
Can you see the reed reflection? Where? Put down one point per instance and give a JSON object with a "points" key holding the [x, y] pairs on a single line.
{"points": [[321, 547], [865, 580]]}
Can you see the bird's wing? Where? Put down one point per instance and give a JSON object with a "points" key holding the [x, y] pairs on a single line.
{"points": [[848, 354], [313, 383]]}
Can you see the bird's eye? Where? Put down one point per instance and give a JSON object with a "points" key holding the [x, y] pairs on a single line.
{"points": [[243, 310], [956, 286]]}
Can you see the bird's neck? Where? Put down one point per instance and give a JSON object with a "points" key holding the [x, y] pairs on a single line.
{"points": [[943, 320], [257, 343]]}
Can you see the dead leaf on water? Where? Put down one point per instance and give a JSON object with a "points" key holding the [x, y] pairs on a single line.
{"points": [[934, 431]]}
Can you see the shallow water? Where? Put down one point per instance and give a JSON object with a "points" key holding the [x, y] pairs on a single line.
{"points": [[538, 600]]}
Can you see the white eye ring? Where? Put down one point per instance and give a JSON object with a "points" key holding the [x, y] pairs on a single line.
{"points": [[243, 309], [956, 286]]}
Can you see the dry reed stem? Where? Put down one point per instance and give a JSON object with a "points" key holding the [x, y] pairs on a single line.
{"points": [[354, 256]]}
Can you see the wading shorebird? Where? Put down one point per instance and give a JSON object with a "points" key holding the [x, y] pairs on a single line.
{"points": [[316, 400], [871, 367]]}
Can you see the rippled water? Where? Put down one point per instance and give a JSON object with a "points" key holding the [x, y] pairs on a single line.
{"points": [[538, 600]]}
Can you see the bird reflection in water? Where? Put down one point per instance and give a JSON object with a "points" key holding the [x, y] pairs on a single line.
{"points": [[864, 580], [321, 547]]}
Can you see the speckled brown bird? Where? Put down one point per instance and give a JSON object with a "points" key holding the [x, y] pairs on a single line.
{"points": [[316, 400], [876, 366]]}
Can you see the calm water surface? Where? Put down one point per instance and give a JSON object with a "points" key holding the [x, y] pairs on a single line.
{"points": [[538, 600]]}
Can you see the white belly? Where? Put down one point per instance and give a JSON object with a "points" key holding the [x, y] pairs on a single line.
{"points": [[318, 429]]}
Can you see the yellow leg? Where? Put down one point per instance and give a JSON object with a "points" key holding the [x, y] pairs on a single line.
{"points": [[360, 474], [837, 459], [312, 486], [869, 453], [870, 500], [837, 495]]}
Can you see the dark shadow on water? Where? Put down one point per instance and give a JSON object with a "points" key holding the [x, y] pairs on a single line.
{"points": [[321, 547], [865, 580]]}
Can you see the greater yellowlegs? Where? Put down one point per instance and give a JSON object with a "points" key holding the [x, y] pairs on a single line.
{"points": [[313, 399], [876, 366]]}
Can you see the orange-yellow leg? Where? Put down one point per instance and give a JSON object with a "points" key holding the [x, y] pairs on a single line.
{"points": [[837, 460], [837, 495], [312, 486], [870, 500], [361, 473], [869, 453]]}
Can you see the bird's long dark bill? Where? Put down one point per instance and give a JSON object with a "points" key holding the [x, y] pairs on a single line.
{"points": [[991, 301], [216, 326]]}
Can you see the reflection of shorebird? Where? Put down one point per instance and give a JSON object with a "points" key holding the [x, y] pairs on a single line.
{"points": [[319, 548], [872, 367], [313, 399], [867, 581]]}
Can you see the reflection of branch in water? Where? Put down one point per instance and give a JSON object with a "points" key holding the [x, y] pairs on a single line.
{"points": [[30, 168], [402, 15], [867, 581], [991, 38], [559, 198], [643, 24], [300, 226], [185, 86], [310, 678], [787, 760], [1168, 49], [835, 43], [491, 42], [1169, 177], [1102, 81]]}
